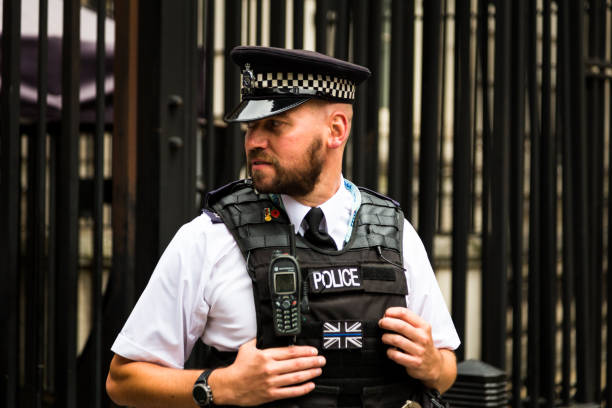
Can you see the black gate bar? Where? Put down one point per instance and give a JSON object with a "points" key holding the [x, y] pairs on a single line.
{"points": [[439, 220], [608, 385], [495, 279], [396, 171], [359, 9], [585, 357], [517, 173], [36, 223], [535, 235], [461, 168], [67, 164], [483, 63], [406, 196], [298, 24], [373, 94], [258, 35], [548, 224], [607, 397], [341, 37], [564, 118], [430, 120], [594, 87], [209, 152], [9, 203], [321, 23], [40, 229], [278, 13], [98, 218], [481, 88], [232, 149]]}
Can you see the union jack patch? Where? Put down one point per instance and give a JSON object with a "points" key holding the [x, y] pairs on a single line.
{"points": [[342, 335]]}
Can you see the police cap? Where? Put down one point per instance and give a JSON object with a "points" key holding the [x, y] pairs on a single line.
{"points": [[274, 80]]}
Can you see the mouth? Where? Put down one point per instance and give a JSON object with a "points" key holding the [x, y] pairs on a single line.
{"points": [[259, 161], [259, 165]]}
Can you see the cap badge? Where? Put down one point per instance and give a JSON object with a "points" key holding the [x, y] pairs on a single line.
{"points": [[247, 80]]}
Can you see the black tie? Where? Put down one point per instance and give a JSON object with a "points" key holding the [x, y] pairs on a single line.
{"points": [[313, 234]]}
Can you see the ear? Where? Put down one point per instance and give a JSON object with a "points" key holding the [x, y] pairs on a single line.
{"points": [[339, 129]]}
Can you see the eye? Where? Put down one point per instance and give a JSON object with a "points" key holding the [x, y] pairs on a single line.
{"points": [[273, 124]]}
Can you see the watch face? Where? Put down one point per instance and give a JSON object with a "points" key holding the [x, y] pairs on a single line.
{"points": [[200, 394]]}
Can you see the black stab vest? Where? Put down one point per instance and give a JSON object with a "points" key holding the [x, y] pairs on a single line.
{"points": [[348, 292]]}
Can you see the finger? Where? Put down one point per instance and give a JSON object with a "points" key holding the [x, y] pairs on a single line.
{"points": [[405, 360], [292, 392], [399, 326], [283, 353], [293, 378], [419, 334], [403, 344], [297, 364], [406, 315], [291, 352]]}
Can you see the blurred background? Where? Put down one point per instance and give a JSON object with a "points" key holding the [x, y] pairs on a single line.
{"points": [[488, 120]]}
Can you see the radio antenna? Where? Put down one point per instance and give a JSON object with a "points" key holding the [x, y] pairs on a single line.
{"points": [[292, 239]]}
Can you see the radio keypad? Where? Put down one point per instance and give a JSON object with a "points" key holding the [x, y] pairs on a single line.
{"points": [[286, 316]]}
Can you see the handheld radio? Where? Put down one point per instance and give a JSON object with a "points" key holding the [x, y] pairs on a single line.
{"points": [[285, 286]]}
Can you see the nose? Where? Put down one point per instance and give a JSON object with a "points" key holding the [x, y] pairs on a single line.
{"points": [[255, 138]]}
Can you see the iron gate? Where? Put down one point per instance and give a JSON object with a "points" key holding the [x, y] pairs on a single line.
{"points": [[488, 120]]}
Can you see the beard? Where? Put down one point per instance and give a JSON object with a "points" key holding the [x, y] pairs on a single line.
{"points": [[297, 181]]}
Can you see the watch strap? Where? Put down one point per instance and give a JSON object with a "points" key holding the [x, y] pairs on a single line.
{"points": [[203, 378], [202, 382]]}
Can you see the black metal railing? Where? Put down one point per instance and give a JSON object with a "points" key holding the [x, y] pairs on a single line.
{"points": [[498, 147], [41, 233]]}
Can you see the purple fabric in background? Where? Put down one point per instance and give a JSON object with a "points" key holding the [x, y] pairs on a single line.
{"points": [[29, 62]]}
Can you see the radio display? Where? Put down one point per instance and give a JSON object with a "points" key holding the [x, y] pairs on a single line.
{"points": [[284, 282]]}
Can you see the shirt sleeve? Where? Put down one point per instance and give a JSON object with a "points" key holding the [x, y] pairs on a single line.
{"points": [[424, 295], [171, 313]]}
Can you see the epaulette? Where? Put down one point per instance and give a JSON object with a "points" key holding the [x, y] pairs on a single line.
{"points": [[214, 217]]}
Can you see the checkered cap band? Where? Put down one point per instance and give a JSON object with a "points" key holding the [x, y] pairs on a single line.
{"points": [[297, 83]]}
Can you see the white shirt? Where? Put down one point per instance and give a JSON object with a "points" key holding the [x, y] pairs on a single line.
{"points": [[200, 288]]}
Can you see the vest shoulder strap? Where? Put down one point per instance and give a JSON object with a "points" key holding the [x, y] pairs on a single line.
{"points": [[253, 219], [213, 197], [380, 222], [378, 198]]}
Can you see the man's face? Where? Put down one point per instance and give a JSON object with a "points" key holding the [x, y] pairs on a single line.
{"points": [[285, 152]]}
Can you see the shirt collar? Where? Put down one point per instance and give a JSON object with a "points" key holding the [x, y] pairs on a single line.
{"points": [[337, 211]]}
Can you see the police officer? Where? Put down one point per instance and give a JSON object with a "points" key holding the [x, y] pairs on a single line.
{"points": [[366, 324]]}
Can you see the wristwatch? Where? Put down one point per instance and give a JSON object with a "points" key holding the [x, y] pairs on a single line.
{"points": [[202, 394]]}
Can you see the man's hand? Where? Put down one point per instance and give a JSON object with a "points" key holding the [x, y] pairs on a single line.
{"points": [[255, 377], [412, 346], [259, 376]]}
